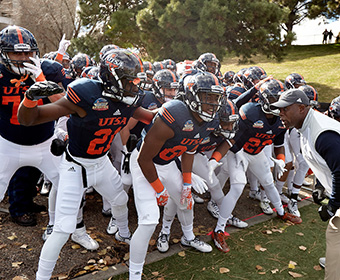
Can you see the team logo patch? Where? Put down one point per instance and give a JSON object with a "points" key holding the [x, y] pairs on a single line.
{"points": [[100, 104], [188, 126], [258, 124], [210, 128], [205, 140], [152, 106]]}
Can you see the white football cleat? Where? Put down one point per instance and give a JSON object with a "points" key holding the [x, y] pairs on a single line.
{"points": [[81, 237]]}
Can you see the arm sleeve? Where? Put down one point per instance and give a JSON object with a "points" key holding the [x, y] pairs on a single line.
{"points": [[328, 146], [245, 97], [241, 137]]}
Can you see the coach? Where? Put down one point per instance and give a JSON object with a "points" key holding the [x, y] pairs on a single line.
{"points": [[320, 142]]}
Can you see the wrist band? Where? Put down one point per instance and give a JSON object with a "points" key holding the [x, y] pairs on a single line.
{"points": [[281, 156], [29, 103], [216, 156], [187, 178], [40, 78], [157, 185], [59, 57]]}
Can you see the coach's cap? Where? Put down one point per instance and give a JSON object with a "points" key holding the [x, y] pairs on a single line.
{"points": [[289, 97]]}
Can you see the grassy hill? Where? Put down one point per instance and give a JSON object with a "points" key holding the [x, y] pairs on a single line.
{"points": [[318, 64]]}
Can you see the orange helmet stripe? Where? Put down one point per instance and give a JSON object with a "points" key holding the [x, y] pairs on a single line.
{"points": [[173, 76], [21, 40]]}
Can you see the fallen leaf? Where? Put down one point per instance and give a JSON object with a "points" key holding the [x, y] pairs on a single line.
{"points": [[267, 231], [317, 267], [299, 234], [277, 230], [75, 246], [101, 261], [274, 270], [241, 239], [102, 252], [62, 277], [258, 267], [175, 240], [91, 261], [20, 278], [262, 272], [303, 248], [291, 266], [295, 275], [126, 256], [105, 268], [203, 269], [224, 270], [155, 273], [2, 246], [181, 254], [12, 237], [292, 262], [83, 252], [23, 246], [260, 248], [16, 264], [152, 242]]}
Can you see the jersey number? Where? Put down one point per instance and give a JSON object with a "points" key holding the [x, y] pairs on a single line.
{"points": [[170, 153], [16, 101], [97, 145], [254, 145]]}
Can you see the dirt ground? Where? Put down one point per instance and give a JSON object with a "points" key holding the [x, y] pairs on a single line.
{"points": [[20, 246]]}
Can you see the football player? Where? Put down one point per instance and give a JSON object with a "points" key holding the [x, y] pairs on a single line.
{"points": [[177, 131], [98, 111]]}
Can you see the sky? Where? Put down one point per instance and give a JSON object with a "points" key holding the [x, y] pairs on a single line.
{"points": [[309, 32]]}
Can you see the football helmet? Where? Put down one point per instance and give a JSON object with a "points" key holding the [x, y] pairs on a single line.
{"points": [[17, 39], [229, 118], [312, 94], [228, 78], [253, 75], [90, 72], [269, 93], [334, 109], [208, 62], [158, 66], [164, 79], [169, 64], [239, 77], [78, 63], [107, 48], [203, 90], [120, 73], [294, 80]]}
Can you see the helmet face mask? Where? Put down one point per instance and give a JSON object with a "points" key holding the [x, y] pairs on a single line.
{"points": [[203, 95], [208, 62], [15, 40], [269, 93], [165, 85], [120, 73], [229, 119], [294, 80]]}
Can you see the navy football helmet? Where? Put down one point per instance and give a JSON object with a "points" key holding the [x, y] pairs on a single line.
{"points": [[208, 62], [106, 49], [78, 63], [312, 94], [229, 118], [158, 66], [269, 93], [239, 76], [334, 109], [228, 78], [253, 75], [164, 79], [120, 72], [294, 80], [17, 39], [203, 89], [169, 64]]}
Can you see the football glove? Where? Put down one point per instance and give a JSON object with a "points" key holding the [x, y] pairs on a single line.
{"points": [[58, 146], [212, 165], [162, 197], [318, 194], [63, 45], [198, 183], [126, 162], [186, 196], [326, 212], [35, 69], [279, 167], [43, 89]]}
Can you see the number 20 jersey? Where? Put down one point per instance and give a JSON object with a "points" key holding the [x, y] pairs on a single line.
{"points": [[189, 133], [91, 136], [256, 131]]}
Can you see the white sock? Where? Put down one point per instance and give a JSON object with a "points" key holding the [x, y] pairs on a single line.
{"points": [[135, 270], [279, 186], [188, 232], [221, 223]]}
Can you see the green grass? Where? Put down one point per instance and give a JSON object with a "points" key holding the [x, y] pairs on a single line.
{"points": [[281, 248], [318, 64]]}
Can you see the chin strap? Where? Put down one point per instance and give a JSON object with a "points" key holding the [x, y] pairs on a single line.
{"points": [[18, 82]]}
